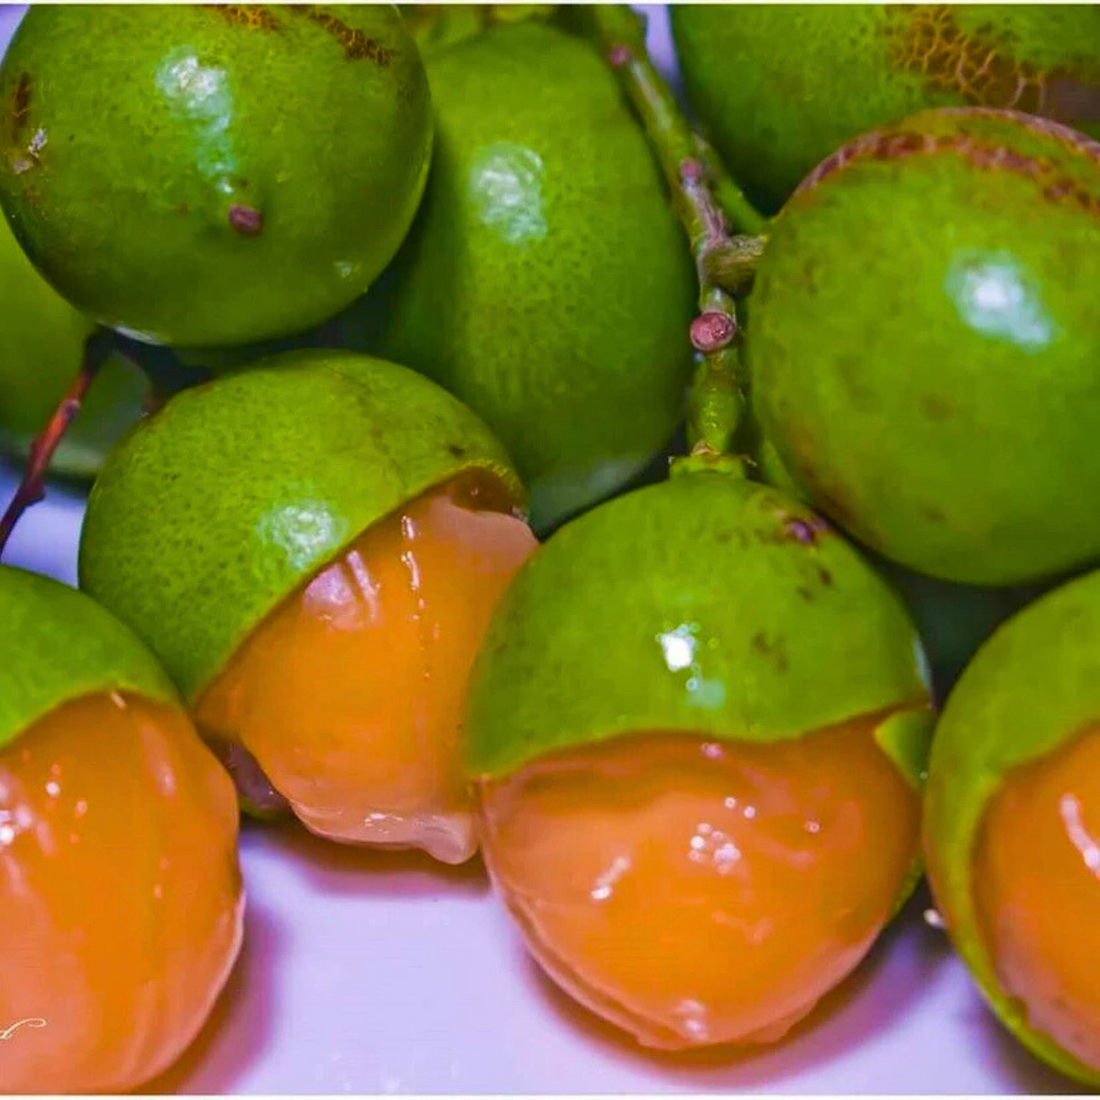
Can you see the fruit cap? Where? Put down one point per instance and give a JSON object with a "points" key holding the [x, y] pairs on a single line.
{"points": [[213, 510], [1031, 688], [59, 644], [703, 604]]}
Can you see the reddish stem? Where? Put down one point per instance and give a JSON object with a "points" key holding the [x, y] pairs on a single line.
{"points": [[32, 487]]}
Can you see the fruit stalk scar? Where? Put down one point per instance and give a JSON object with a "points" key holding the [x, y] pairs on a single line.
{"points": [[694, 178], [32, 488]]}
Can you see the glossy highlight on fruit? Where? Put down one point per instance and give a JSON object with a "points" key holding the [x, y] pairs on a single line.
{"points": [[544, 282], [103, 780], [331, 532], [665, 663], [917, 328], [191, 175], [41, 346], [348, 694], [1011, 823], [779, 87]]}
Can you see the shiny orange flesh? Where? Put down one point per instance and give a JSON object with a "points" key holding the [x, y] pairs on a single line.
{"points": [[1037, 891], [120, 895], [350, 694], [695, 892]]}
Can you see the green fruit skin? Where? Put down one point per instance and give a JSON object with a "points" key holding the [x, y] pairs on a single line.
{"points": [[545, 282], [924, 350], [707, 605], [58, 645], [779, 87], [127, 135], [41, 346], [213, 510], [1032, 687]]}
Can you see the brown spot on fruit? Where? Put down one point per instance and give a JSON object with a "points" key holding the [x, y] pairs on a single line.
{"points": [[20, 106], [977, 65], [357, 46], [250, 16], [1053, 185], [934, 407], [246, 220]]}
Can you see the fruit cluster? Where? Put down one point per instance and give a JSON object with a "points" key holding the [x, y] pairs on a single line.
{"points": [[365, 305]]}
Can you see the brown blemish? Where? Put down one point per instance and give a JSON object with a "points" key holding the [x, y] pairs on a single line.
{"points": [[456, 451], [805, 531], [805, 593], [773, 651], [20, 106], [825, 576], [935, 407], [253, 17], [355, 43], [246, 220], [1053, 185], [926, 39]]}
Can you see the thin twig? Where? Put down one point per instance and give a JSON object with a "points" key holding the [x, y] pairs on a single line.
{"points": [[691, 172], [32, 486]]}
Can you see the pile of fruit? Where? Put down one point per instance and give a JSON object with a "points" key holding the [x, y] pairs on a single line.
{"points": [[478, 467]]}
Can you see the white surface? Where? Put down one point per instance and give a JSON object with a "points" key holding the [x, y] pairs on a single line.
{"points": [[383, 973]]}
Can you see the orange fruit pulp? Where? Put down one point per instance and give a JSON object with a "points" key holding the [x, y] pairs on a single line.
{"points": [[350, 694], [697, 892], [120, 896], [1036, 881]]}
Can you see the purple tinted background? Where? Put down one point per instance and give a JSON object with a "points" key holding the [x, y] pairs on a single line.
{"points": [[386, 974]]}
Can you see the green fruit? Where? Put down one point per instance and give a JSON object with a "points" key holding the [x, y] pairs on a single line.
{"points": [[779, 87], [924, 348], [41, 347], [216, 508], [208, 175], [1033, 687], [57, 645], [705, 604], [545, 283]]}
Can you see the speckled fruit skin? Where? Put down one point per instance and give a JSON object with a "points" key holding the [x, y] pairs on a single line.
{"points": [[705, 604], [41, 345], [545, 282], [134, 141], [57, 645], [779, 87], [1032, 687], [923, 351], [216, 508]]}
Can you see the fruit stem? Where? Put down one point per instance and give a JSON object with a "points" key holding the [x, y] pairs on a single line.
{"points": [[695, 177], [32, 486]]}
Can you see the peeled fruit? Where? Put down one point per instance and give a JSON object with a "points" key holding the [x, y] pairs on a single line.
{"points": [[1012, 821], [103, 783], [545, 282], [697, 727], [778, 88], [324, 621], [917, 328], [248, 209], [41, 348]]}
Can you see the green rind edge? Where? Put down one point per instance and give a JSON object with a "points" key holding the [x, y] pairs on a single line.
{"points": [[254, 482], [1050, 653], [573, 655], [57, 645]]}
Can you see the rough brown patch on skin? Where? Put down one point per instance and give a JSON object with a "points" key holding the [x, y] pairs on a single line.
{"points": [[357, 46], [456, 450], [246, 220], [1054, 186], [20, 106], [773, 651], [250, 16], [926, 39], [825, 575]]}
